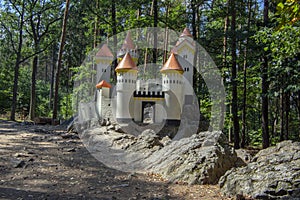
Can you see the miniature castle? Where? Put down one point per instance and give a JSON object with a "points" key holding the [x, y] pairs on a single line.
{"points": [[164, 98]]}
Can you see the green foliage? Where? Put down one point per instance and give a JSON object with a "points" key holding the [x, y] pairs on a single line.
{"points": [[66, 110]]}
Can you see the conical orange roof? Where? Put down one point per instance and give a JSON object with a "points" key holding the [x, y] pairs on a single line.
{"points": [[104, 52], [128, 43], [102, 84], [186, 33], [126, 64], [172, 64]]}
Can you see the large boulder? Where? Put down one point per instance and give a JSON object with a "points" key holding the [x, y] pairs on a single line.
{"points": [[199, 159], [274, 173]]}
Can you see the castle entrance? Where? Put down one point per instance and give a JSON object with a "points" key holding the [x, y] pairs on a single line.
{"points": [[148, 112]]}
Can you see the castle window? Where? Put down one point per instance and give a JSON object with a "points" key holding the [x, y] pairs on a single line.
{"points": [[125, 80], [173, 81], [129, 81], [188, 69], [185, 56], [166, 81], [177, 81]]}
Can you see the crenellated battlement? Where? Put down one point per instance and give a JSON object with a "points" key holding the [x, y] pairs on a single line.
{"points": [[149, 94]]}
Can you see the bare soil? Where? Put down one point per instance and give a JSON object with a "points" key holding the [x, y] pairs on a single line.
{"points": [[45, 162]]}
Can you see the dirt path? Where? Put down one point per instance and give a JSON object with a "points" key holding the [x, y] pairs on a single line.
{"points": [[43, 162]]}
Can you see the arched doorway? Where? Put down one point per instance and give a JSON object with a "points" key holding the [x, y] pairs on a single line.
{"points": [[148, 112]]}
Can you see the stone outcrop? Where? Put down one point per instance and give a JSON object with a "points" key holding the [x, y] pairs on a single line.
{"points": [[274, 173], [199, 159]]}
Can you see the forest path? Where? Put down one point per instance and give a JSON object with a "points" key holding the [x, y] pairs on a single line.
{"points": [[44, 162]]}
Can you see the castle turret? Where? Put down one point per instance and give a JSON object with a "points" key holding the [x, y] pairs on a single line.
{"points": [[103, 95], [103, 59], [128, 47], [185, 50], [126, 84], [172, 85]]}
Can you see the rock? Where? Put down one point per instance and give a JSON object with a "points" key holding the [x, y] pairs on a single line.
{"points": [[70, 150], [18, 163], [149, 138], [111, 127], [118, 129], [274, 173], [244, 155], [103, 122], [165, 141], [70, 136], [200, 159]]}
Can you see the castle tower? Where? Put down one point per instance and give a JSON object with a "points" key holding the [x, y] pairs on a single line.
{"points": [[172, 85], [128, 47], [103, 59], [103, 93], [185, 50], [126, 84]]}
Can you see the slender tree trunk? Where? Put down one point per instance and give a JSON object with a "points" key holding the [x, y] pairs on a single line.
{"points": [[59, 61], [17, 64], [243, 140], [166, 41], [194, 17], [265, 88], [96, 29], [52, 78], [115, 39], [282, 108], [235, 119], [155, 22], [33, 88], [287, 114]]}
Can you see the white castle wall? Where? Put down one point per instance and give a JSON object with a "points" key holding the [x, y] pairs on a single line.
{"points": [[103, 68], [125, 87], [172, 83]]}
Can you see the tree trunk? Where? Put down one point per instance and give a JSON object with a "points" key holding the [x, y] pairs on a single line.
{"points": [[33, 88], [224, 60], [244, 123], [115, 39], [235, 119], [287, 114], [17, 64], [59, 61], [52, 78], [282, 108], [265, 88], [155, 21]]}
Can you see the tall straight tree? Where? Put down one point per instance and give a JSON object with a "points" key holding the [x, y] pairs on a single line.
{"points": [[243, 139], [234, 101], [18, 50], [40, 27], [155, 21], [59, 61], [265, 87]]}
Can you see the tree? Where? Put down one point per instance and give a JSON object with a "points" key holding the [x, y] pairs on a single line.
{"points": [[19, 14], [234, 101], [41, 24], [265, 88], [59, 61]]}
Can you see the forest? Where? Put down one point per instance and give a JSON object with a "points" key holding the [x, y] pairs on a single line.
{"points": [[254, 43]]}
